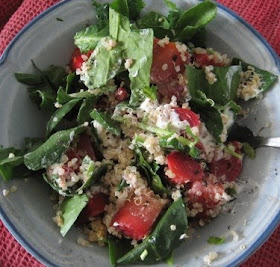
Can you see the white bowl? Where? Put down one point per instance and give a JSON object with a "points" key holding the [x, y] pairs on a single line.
{"points": [[28, 212]]}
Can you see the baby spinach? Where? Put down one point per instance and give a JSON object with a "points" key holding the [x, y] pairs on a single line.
{"points": [[51, 151], [106, 122], [44, 98], [106, 62], [158, 23], [221, 91], [85, 109], [267, 78], [163, 240], [71, 207], [134, 8], [88, 38], [29, 79], [59, 114], [149, 171], [194, 19], [138, 47]]}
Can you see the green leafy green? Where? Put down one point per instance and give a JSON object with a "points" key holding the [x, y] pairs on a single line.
{"points": [[163, 239], [62, 97], [59, 114], [51, 151], [267, 78], [29, 79], [137, 46], [221, 91], [249, 150], [106, 122], [102, 13], [150, 171], [158, 23], [194, 19], [88, 38], [213, 240], [134, 8], [231, 192], [122, 185], [71, 208], [151, 92], [85, 109], [171, 5], [31, 143], [107, 61]]}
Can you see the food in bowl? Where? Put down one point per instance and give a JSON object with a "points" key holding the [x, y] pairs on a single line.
{"points": [[140, 142]]}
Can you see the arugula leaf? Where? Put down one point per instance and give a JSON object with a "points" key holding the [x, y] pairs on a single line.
{"points": [[222, 91], [137, 46], [194, 19], [267, 78], [150, 171], [107, 63], [71, 208], [51, 151], [213, 240], [59, 114], [88, 38], [158, 23], [163, 240], [106, 122]]}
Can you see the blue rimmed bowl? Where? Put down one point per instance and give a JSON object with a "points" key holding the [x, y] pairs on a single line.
{"points": [[28, 212]]}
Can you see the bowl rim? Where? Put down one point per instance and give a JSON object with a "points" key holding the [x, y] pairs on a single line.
{"points": [[17, 235]]}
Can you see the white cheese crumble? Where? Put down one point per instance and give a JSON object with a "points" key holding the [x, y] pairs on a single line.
{"points": [[5, 192], [210, 257], [172, 227], [128, 63], [164, 67], [55, 119], [11, 155]]}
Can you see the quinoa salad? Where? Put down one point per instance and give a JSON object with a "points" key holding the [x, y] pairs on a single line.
{"points": [[143, 141]]}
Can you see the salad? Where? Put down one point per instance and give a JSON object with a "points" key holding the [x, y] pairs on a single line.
{"points": [[142, 141]]}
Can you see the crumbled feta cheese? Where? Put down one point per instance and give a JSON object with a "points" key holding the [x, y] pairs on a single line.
{"points": [[128, 63], [5, 192], [164, 67], [172, 227], [144, 254], [55, 119], [11, 155], [209, 258]]}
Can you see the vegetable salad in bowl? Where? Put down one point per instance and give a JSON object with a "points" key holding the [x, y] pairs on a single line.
{"points": [[141, 143]]}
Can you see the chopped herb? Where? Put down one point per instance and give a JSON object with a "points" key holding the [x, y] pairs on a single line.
{"points": [[213, 240]]}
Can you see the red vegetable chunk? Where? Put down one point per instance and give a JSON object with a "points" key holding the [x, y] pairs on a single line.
{"points": [[85, 145], [185, 168], [227, 169], [188, 115], [171, 88], [205, 60], [95, 207], [77, 59], [167, 62], [136, 218], [121, 94]]}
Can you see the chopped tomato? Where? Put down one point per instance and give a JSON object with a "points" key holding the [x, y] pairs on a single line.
{"points": [[77, 59], [206, 60], [167, 62], [136, 218], [188, 115], [121, 94], [171, 88], [95, 206], [228, 169], [185, 168], [203, 199]]}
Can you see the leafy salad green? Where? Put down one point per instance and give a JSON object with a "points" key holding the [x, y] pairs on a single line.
{"points": [[142, 138]]}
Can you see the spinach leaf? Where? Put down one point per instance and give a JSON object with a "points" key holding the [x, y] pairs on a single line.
{"points": [[102, 13], [267, 78], [71, 82], [44, 98], [134, 8], [106, 122], [29, 79], [117, 248], [158, 23], [244, 135], [150, 171], [194, 19], [11, 167], [71, 208], [214, 240], [59, 114], [107, 60], [51, 151], [137, 46], [88, 38], [85, 109], [62, 97], [31, 143], [163, 240], [120, 6], [222, 91], [171, 5]]}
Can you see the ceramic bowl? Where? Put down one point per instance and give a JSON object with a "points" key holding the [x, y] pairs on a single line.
{"points": [[28, 212]]}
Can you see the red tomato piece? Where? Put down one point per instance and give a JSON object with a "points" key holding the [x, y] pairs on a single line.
{"points": [[121, 94], [77, 59], [206, 60], [228, 169], [166, 60], [136, 218], [185, 168], [205, 198], [85, 145], [188, 115], [171, 88], [95, 206]]}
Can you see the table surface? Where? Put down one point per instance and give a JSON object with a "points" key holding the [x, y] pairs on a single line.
{"points": [[264, 16]]}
